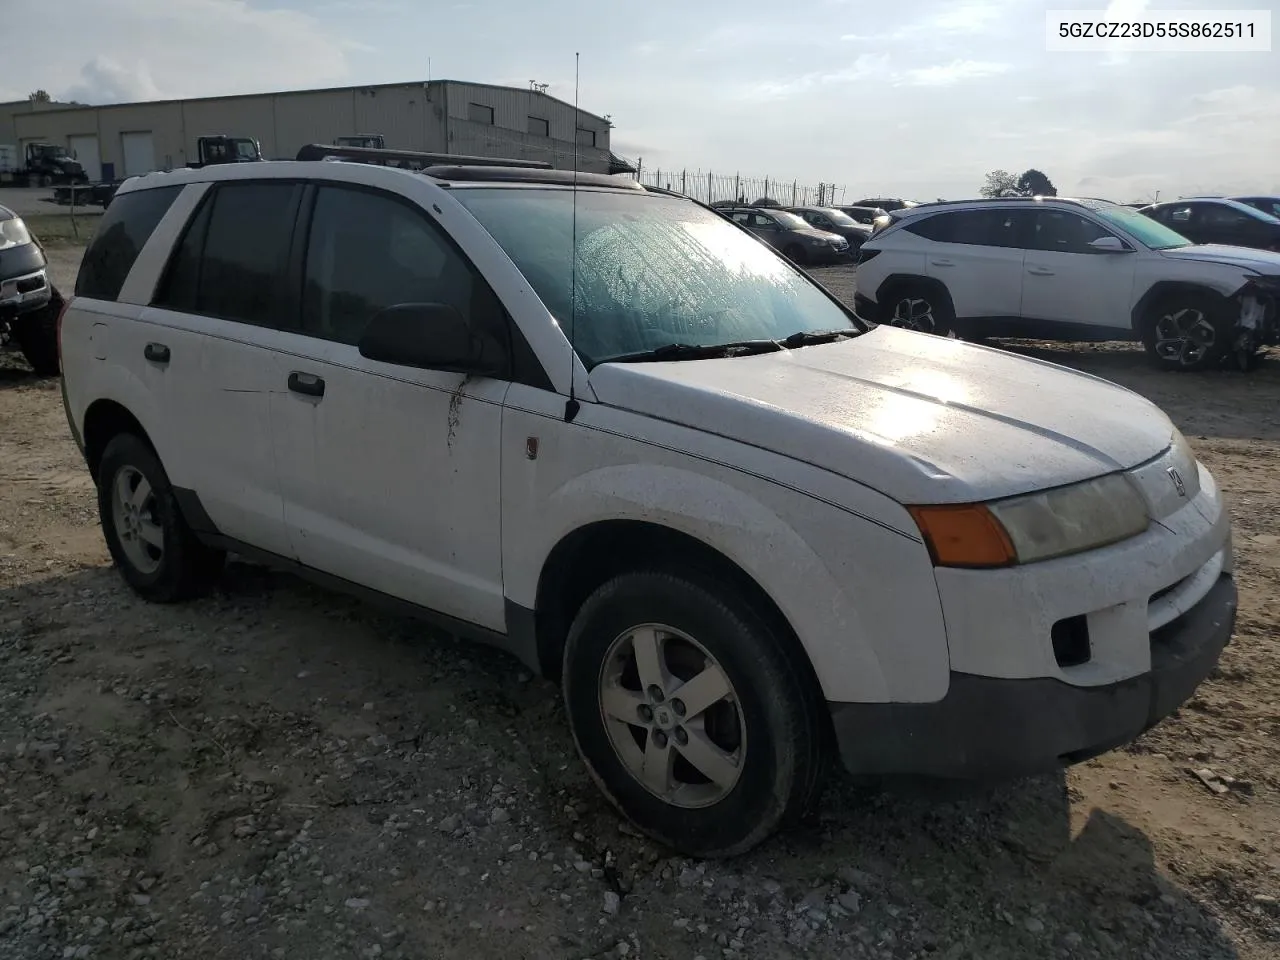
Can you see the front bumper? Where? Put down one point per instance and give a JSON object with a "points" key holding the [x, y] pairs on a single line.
{"points": [[988, 727], [24, 293]]}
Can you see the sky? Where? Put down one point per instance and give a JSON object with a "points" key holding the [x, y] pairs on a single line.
{"points": [[912, 98]]}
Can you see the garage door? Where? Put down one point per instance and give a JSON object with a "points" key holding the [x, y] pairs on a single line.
{"points": [[139, 153], [85, 149]]}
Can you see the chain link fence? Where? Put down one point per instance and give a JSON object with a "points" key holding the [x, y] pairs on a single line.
{"points": [[712, 187]]}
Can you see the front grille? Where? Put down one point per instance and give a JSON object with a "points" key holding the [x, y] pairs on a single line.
{"points": [[30, 284]]}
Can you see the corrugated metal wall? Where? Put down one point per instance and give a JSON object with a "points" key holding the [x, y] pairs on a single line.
{"points": [[410, 116]]}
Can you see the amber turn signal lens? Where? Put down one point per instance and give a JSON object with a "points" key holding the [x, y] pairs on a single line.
{"points": [[964, 535]]}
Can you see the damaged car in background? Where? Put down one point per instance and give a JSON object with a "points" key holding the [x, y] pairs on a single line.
{"points": [[29, 305], [1054, 268]]}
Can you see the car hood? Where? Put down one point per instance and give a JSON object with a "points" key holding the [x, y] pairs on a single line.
{"points": [[1263, 261], [920, 418], [815, 233]]}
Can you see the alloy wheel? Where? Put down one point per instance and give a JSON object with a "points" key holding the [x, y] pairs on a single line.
{"points": [[133, 509], [1184, 336], [914, 313], [672, 716]]}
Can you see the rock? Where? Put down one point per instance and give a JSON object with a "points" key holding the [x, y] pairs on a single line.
{"points": [[500, 815], [141, 899], [356, 903], [688, 878], [611, 902], [1034, 925], [850, 901], [1073, 939], [448, 824]]}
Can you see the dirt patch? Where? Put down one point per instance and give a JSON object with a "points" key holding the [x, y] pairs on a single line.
{"points": [[274, 771]]}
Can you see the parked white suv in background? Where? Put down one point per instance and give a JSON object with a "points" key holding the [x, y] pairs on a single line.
{"points": [[741, 528], [1061, 269]]}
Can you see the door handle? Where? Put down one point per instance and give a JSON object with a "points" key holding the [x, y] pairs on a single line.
{"points": [[156, 352], [942, 263], [307, 384], [1040, 272]]}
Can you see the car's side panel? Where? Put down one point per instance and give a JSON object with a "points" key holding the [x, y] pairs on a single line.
{"points": [[860, 595]]}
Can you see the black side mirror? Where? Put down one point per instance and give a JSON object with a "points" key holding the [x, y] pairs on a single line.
{"points": [[433, 336]]}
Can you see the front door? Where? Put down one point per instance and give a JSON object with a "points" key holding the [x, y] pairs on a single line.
{"points": [[390, 474], [1067, 282]]}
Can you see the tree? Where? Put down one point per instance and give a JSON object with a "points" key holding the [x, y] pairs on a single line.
{"points": [[1033, 183], [40, 96], [1000, 183]]}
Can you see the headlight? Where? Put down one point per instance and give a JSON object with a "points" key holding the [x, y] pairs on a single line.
{"points": [[13, 233], [1038, 526]]}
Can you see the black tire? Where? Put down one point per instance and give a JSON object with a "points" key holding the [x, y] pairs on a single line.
{"points": [[796, 254], [1202, 317], [37, 336], [785, 758], [186, 566], [923, 307]]}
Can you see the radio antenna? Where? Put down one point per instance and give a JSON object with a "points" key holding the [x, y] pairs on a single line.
{"points": [[571, 408]]}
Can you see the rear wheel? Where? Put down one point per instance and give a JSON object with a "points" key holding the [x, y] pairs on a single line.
{"points": [[921, 307], [156, 551], [1187, 332], [691, 713]]}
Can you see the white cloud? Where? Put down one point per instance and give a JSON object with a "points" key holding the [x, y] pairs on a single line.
{"points": [[864, 67], [103, 80], [944, 75], [175, 48]]}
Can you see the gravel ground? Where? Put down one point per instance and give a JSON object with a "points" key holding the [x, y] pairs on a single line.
{"points": [[274, 771], [25, 201]]}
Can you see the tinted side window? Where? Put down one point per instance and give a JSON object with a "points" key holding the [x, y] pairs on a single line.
{"points": [[125, 229], [368, 251], [1216, 216], [1065, 232], [988, 228], [231, 261]]}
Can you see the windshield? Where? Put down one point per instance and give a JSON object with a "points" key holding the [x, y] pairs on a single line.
{"points": [[840, 219], [790, 221], [1152, 233], [651, 271]]}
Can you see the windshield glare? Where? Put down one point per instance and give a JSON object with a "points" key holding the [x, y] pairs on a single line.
{"points": [[792, 221], [1150, 232], [651, 271], [840, 218]]}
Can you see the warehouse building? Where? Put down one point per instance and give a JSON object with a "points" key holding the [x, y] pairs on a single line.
{"points": [[441, 116]]}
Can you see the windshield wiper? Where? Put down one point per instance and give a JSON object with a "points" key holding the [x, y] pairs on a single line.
{"points": [[698, 351], [808, 338]]}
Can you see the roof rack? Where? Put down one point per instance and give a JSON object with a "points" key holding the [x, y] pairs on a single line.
{"points": [[409, 159], [494, 173]]}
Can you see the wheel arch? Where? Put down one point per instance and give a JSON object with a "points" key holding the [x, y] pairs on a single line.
{"points": [[591, 555], [898, 281], [104, 419], [1165, 288]]}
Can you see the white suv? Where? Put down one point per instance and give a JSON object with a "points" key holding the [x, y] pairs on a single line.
{"points": [[740, 528], [1060, 269]]}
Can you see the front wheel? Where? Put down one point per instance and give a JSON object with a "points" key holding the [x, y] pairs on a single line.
{"points": [[796, 254], [691, 712], [1187, 332]]}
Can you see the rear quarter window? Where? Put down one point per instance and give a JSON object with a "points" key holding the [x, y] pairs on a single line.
{"points": [[125, 229]]}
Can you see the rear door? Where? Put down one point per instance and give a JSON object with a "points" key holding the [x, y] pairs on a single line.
{"points": [[978, 256], [215, 322]]}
